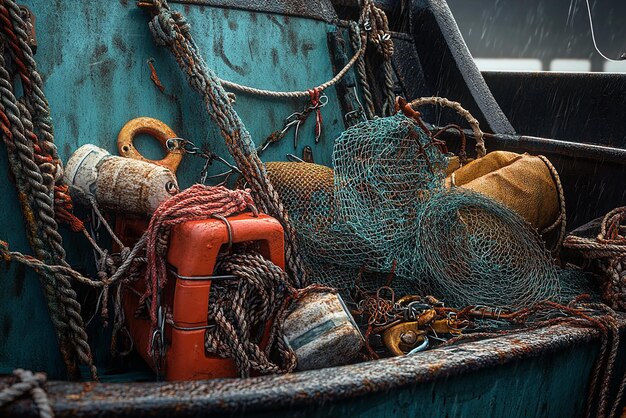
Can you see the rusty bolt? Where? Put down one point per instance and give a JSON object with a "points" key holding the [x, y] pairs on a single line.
{"points": [[409, 337]]}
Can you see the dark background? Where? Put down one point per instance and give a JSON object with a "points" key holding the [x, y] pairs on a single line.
{"points": [[543, 30]]}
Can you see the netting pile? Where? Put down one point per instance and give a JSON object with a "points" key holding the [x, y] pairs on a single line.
{"points": [[384, 213], [362, 215], [474, 250]]}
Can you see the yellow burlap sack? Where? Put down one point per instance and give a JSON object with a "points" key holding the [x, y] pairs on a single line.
{"points": [[522, 182]]}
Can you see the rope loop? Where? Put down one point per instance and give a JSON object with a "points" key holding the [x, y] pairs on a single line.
{"points": [[28, 383]]}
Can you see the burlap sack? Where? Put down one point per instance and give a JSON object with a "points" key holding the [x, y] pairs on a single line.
{"points": [[522, 182]]}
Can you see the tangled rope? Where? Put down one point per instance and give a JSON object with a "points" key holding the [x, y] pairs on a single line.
{"points": [[170, 29], [241, 313], [28, 383], [376, 33], [195, 203], [26, 129], [608, 250]]}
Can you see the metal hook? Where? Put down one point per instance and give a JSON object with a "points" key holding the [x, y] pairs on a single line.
{"points": [[229, 228], [323, 101], [295, 135], [423, 346], [294, 158]]}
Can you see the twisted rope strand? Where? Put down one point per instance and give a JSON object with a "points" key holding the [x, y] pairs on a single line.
{"points": [[29, 383], [35, 165], [261, 296]]}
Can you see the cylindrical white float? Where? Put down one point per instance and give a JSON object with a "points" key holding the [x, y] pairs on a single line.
{"points": [[118, 183], [322, 332]]}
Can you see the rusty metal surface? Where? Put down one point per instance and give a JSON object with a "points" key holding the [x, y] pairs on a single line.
{"points": [[305, 389], [311, 9]]}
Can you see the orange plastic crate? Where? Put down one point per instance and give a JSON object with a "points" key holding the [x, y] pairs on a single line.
{"points": [[193, 250]]}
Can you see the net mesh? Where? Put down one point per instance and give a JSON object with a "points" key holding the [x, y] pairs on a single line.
{"points": [[384, 214], [474, 250]]}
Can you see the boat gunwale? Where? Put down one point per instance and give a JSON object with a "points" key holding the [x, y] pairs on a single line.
{"points": [[307, 388]]}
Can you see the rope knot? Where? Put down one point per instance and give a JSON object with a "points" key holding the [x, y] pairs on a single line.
{"points": [[162, 27], [199, 202]]}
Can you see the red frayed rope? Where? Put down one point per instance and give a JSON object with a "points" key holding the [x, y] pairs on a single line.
{"points": [[314, 94], [195, 203]]}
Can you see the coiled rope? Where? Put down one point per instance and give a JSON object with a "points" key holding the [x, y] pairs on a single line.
{"points": [[258, 297], [608, 249], [26, 129], [28, 383]]}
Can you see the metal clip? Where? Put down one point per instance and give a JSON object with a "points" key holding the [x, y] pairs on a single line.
{"points": [[403, 338], [229, 228], [158, 342]]}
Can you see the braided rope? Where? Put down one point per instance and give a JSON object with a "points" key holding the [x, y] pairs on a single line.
{"points": [[170, 29], [29, 383], [260, 296], [34, 163], [379, 36], [356, 41], [441, 101]]}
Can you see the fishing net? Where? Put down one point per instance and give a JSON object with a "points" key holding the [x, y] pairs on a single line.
{"points": [[361, 217], [383, 215], [473, 250]]}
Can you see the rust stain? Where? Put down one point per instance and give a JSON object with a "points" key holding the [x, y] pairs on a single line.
{"points": [[88, 387], [218, 49], [434, 368], [154, 76]]}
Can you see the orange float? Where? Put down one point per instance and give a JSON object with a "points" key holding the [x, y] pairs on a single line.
{"points": [[192, 255]]}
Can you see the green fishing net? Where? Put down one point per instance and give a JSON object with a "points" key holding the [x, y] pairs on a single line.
{"points": [[473, 250], [383, 216]]}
